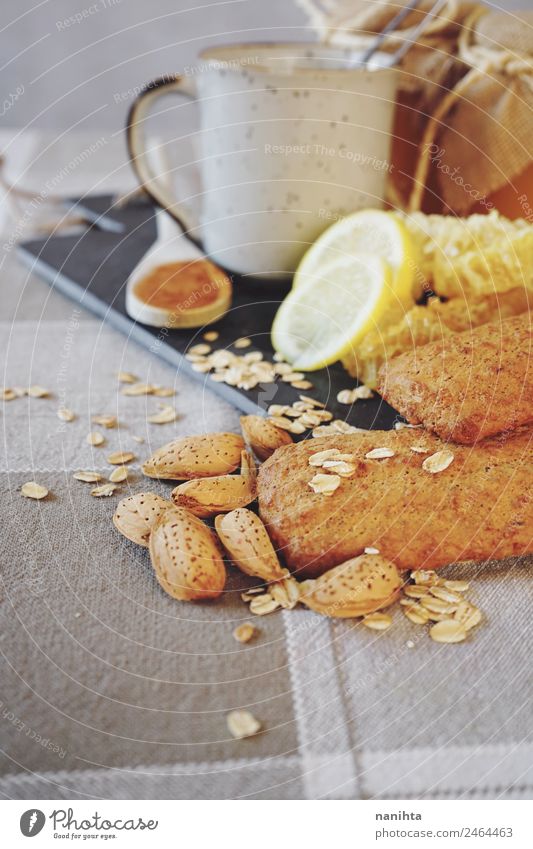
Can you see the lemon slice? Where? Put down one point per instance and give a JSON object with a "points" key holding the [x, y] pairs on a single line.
{"points": [[322, 318], [370, 231]]}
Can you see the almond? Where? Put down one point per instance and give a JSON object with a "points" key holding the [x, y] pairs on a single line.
{"points": [[207, 497], [357, 587], [246, 541], [262, 436], [185, 556], [136, 515], [206, 455]]}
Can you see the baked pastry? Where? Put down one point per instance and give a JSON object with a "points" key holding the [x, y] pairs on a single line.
{"points": [[478, 507], [469, 385]]}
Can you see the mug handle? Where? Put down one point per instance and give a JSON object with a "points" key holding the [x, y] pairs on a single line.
{"points": [[137, 116]]}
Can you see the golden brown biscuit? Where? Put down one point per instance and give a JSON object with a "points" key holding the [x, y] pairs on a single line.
{"points": [[480, 507], [469, 385]]}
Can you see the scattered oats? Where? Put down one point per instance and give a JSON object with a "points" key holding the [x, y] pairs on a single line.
{"points": [[402, 425], [263, 604], [87, 477], [105, 421], [341, 426], [283, 368], [448, 631], [309, 419], [350, 396], [127, 377], [164, 391], [242, 723], [324, 484], [438, 462], [313, 401], [20, 391], [468, 615], [65, 414], [195, 358], [253, 591], [33, 490], [416, 614], [200, 349], [211, 335], [377, 621], [242, 342], [222, 358], [118, 475], [324, 430], [277, 409], [118, 458], [282, 422], [379, 454], [320, 456], [292, 412], [340, 467], [278, 358], [371, 550], [244, 633], [95, 438], [457, 586], [323, 415], [8, 395], [437, 605], [445, 594], [302, 384], [254, 357], [425, 576], [419, 449], [363, 392], [38, 392], [292, 375], [201, 368], [218, 378], [165, 416], [297, 427], [410, 644], [103, 491], [77, 615], [138, 389], [286, 593], [415, 591], [139, 439], [345, 396]]}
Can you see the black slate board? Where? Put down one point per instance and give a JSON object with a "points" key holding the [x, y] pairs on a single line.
{"points": [[92, 269]]}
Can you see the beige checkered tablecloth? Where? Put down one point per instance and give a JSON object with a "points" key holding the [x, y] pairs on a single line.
{"points": [[111, 689]]}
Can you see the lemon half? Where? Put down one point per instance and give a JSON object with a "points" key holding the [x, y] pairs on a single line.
{"points": [[323, 318], [370, 231]]}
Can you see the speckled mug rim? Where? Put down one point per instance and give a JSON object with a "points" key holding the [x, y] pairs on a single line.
{"points": [[229, 52]]}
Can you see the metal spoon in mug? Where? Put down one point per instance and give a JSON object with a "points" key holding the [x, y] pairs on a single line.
{"points": [[392, 59]]}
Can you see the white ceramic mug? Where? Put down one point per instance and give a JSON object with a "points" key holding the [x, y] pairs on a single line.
{"points": [[293, 136]]}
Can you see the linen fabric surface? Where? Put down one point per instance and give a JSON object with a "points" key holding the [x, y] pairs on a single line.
{"points": [[112, 689]]}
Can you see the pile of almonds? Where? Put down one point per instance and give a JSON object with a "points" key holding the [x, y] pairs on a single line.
{"points": [[186, 554]]}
